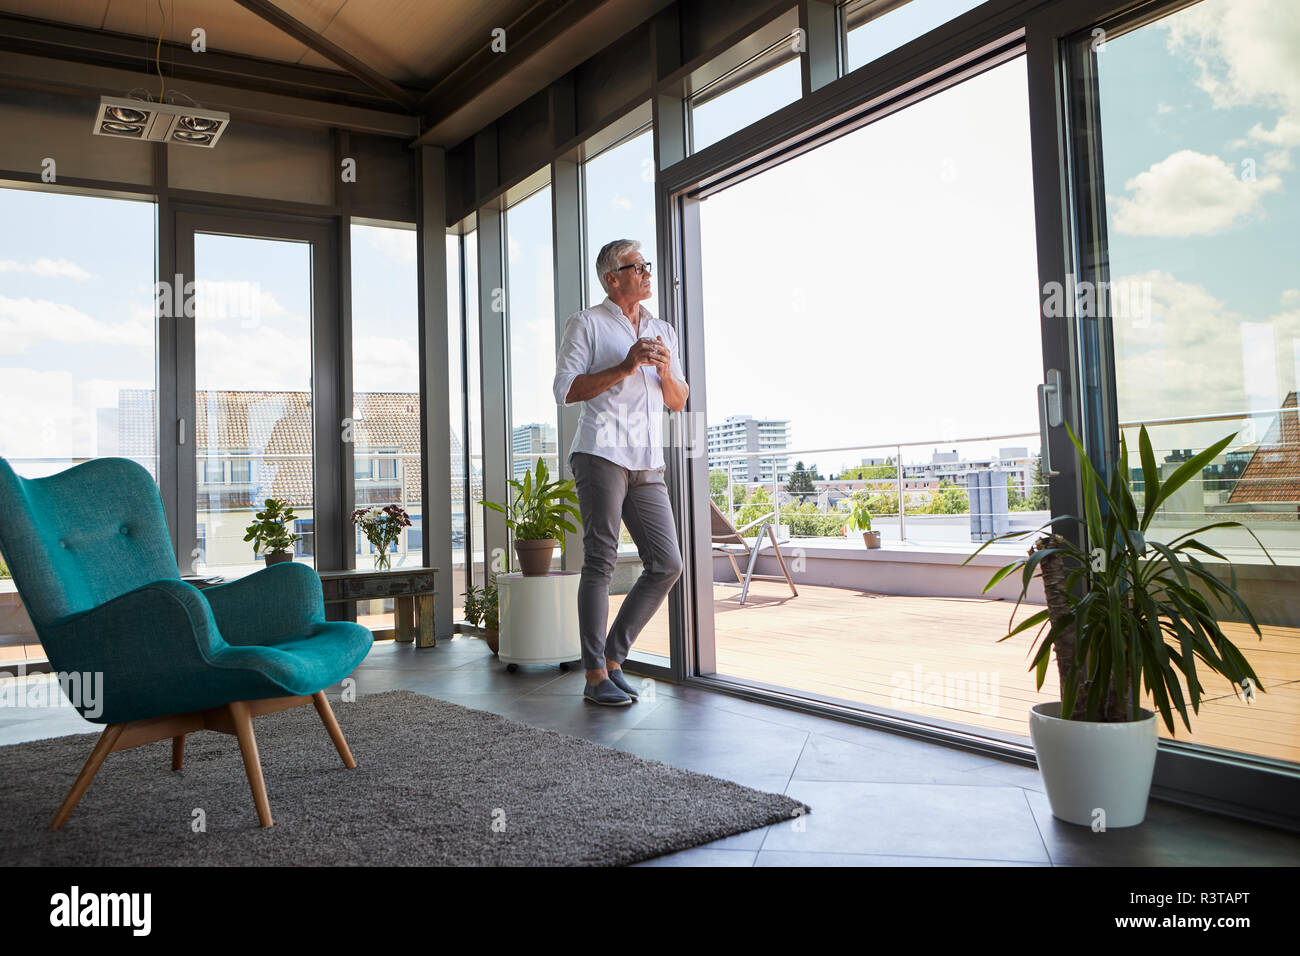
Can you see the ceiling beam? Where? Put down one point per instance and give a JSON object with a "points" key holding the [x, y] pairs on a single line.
{"points": [[46, 73], [551, 38], [330, 50], [105, 48]]}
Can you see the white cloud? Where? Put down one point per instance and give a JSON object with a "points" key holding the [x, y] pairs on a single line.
{"points": [[48, 268], [1189, 194], [1244, 52], [28, 322], [1196, 356], [397, 244]]}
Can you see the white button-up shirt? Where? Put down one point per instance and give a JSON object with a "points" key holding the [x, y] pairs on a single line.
{"points": [[624, 423]]}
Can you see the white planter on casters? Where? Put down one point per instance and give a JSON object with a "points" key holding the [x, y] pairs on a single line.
{"points": [[1089, 766], [538, 618]]}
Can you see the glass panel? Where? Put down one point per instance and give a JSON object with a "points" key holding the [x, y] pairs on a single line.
{"points": [[1198, 114], [876, 27], [619, 191], [386, 393], [253, 421], [456, 414], [878, 343], [77, 348], [723, 113], [474, 434], [530, 304], [386, 377], [619, 187]]}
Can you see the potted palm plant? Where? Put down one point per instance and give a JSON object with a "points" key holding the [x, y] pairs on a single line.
{"points": [[1128, 619], [860, 520], [482, 614], [539, 517], [270, 533]]}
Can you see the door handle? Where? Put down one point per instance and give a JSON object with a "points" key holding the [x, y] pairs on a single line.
{"points": [[180, 431], [1049, 415]]}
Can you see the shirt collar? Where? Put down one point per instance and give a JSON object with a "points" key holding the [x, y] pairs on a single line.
{"points": [[614, 310]]}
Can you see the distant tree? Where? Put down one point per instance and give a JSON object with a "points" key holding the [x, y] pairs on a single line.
{"points": [[947, 500], [718, 488], [801, 482], [1015, 500], [1038, 500]]}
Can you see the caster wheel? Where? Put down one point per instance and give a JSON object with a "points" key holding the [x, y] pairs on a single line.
{"points": [[512, 668], [564, 666]]}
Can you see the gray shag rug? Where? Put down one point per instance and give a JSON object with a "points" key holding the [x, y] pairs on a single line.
{"points": [[435, 784]]}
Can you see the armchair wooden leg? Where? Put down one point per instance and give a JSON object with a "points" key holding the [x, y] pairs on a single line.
{"points": [[103, 747], [332, 725], [242, 718], [178, 752]]}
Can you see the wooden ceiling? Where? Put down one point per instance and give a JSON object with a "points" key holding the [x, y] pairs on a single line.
{"points": [[412, 42]]}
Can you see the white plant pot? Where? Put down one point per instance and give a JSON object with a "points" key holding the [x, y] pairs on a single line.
{"points": [[1089, 766]]}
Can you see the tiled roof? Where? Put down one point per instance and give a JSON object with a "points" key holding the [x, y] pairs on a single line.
{"points": [[274, 429], [1273, 472]]}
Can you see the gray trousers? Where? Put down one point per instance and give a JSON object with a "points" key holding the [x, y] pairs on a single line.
{"points": [[608, 492]]}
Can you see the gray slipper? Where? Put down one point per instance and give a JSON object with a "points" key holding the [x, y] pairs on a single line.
{"points": [[607, 693], [616, 675]]}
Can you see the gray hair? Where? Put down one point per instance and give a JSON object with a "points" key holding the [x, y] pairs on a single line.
{"points": [[610, 253]]}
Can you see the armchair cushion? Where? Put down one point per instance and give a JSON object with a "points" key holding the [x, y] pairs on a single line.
{"points": [[269, 606]]}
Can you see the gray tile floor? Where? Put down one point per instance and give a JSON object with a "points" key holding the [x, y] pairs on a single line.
{"points": [[877, 799]]}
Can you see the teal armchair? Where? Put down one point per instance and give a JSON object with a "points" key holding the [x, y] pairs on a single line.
{"points": [[92, 559]]}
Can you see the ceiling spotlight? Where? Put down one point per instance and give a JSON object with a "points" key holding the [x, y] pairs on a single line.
{"points": [[199, 124], [123, 129], [126, 114], [159, 122]]}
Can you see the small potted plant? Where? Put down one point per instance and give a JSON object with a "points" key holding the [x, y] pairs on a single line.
{"points": [[860, 520], [539, 517], [382, 528], [1128, 619], [270, 533], [482, 614]]}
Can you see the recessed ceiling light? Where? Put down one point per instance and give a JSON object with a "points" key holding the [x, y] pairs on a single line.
{"points": [[186, 136]]}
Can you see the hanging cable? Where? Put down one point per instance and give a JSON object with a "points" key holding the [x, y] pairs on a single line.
{"points": [[157, 55]]}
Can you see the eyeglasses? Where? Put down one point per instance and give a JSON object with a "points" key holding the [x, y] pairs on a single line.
{"points": [[642, 268]]}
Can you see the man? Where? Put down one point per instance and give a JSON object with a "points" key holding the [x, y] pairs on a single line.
{"points": [[621, 362]]}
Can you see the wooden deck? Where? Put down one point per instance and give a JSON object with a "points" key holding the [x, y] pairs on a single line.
{"points": [[940, 657]]}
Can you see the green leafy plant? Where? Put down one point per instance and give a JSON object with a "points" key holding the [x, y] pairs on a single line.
{"points": [[1127, 618], [541, 507], [4, 570], [270, 533], [859, 513], [481, 606]]}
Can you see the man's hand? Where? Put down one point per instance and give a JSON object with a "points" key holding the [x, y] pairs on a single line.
{"points": [[662, 358], [641, 353]]}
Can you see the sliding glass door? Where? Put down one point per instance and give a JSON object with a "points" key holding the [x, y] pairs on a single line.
{"points": [[1185, 133]]}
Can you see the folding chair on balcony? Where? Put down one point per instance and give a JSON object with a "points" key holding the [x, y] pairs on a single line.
{"points": [[730, 540]]}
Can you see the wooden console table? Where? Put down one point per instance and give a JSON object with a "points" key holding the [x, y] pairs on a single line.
{"points": [[412, 588]]}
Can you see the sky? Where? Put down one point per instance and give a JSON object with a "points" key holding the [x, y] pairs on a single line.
{"points": [[882, 288], [1200, 117]]}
